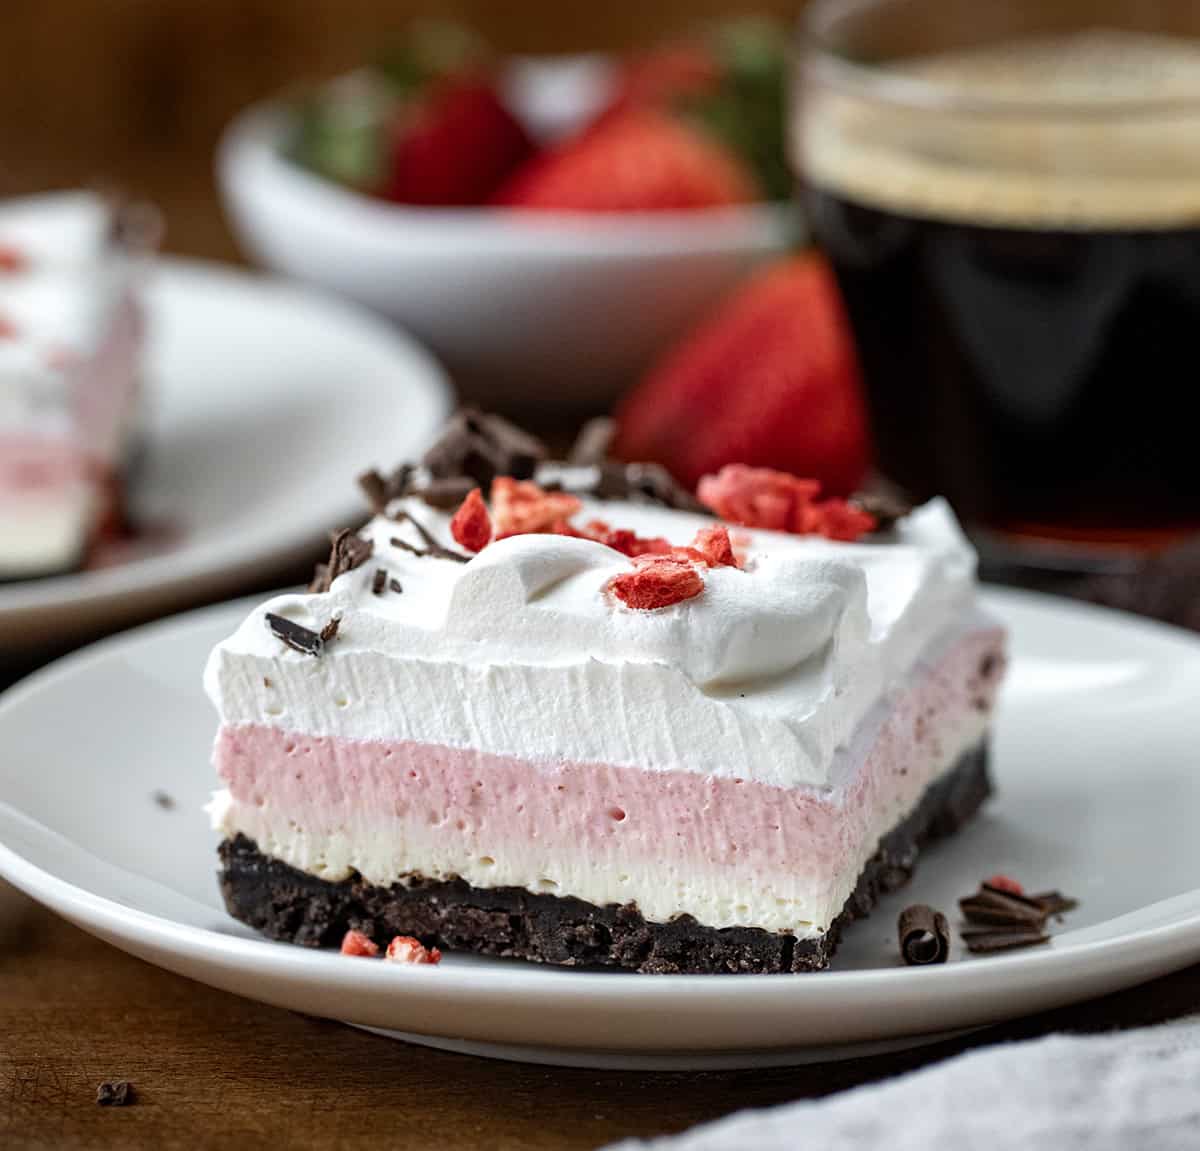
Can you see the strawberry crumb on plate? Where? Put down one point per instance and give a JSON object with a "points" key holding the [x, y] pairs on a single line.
{"points": [[358, 943], [406, 949]]}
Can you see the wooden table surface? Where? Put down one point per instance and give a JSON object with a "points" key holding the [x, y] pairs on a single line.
{"points": [[213, 1070]]}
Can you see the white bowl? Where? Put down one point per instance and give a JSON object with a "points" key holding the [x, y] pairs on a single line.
{"points": [[563, 309]]}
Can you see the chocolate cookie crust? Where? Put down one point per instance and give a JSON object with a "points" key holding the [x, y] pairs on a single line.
{"points": [[290, 905]]}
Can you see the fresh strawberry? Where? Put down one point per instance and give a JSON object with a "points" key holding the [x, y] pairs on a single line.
{"points": [[770, 380], [728, 79], [423, 125], [640, 160], [453, 145]]}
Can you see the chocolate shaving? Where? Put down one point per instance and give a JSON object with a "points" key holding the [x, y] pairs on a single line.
{"points": [[404, 545], [163, 799], [999, 908], [591, 445], [380, 490], [924, 935], [296, 636], [374, 487], [887, 509], [320, 579], [983, 940], [482, 446], [115, 1093], [446, 494], [379, 581], [1030, 901], [999, 920], [1054, 902], [394, 584], [647, 484], [347, 552], [330, 630], [431, 548]]}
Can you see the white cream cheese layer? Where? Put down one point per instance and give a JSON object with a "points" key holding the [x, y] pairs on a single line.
{"points": [[523, 652]]}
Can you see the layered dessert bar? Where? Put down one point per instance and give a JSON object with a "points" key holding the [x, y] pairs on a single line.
{"points": [[584, 718], [70, 338]]}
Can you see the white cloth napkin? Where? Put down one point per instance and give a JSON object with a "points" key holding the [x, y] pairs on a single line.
{"points": [[1111, 1092]]}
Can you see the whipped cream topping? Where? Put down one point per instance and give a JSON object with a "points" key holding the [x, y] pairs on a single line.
{"points": [[523, 652]]}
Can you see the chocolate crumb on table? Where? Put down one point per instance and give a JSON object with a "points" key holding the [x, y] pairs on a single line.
{"points": [[115, 1093], [163, 799]]}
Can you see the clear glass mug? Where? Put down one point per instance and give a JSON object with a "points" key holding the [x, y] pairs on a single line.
{"points": [[1010, 195]]}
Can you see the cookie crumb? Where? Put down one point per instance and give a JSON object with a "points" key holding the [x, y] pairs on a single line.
{"points": [[115, 1093]]}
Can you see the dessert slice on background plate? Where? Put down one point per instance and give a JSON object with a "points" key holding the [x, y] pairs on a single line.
{"points": [[70, 353], [586, 722]]}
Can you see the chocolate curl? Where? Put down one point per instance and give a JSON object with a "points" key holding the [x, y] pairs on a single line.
{"points": [[347, 552], [924, 935], [381, 489]]}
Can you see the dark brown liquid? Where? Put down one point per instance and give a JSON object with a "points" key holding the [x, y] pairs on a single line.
{"points": [[1045, 381]]}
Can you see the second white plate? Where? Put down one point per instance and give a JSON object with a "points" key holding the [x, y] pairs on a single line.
{"points": [[1097, 796], [265, 401]]}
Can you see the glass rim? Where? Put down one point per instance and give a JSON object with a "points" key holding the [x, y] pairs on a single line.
{"points": [[882, 83]]}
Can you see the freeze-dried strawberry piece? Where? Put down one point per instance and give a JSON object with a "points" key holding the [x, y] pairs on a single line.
{"points": [[1004, 883], [838, 520], [763, 498], [8, 330], [12, 260], [715, 546], [631, 544], [520, 507], [759, 497], [471, 525], [406, 949], [656, 582], [356, 943]]}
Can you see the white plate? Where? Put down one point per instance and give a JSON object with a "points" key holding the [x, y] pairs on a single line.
{"points": [[265, 400], [1098, 795], [555, 309]]}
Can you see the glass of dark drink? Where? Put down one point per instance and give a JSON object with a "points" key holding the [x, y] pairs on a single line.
{"points": [[1009, 192]]}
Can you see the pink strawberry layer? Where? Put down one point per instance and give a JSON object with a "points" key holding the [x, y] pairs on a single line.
{"points": [[607, 833]]}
